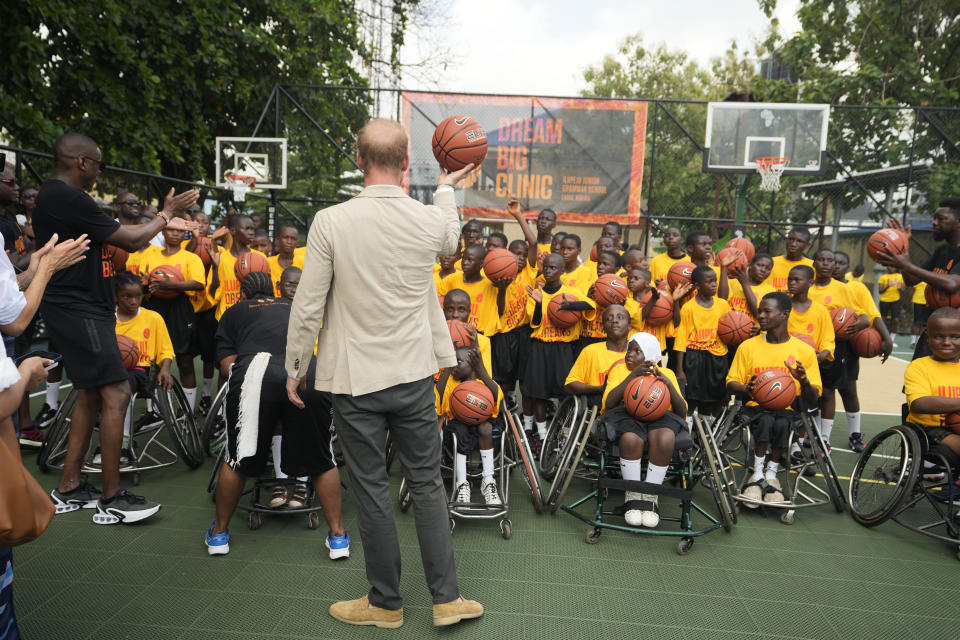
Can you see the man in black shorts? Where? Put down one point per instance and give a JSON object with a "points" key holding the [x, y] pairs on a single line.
{"points": [[79, 308]]}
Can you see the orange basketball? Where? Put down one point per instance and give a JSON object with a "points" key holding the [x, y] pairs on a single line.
{"points": [[117, 256], [458, 141], [744, 245], [471, 402], [204, 249], [662, 311], [739, 265], [500, 264], [610, 289], [562, 318], [680, 273], [128, 351], [593, 252], [459, 334], [802, 337], [166, 272], [893, 240], [646, 398], [842, 318], [250, 262], [774, 389], [734, 327], [867, 343], [952, 421], [937, 298]]}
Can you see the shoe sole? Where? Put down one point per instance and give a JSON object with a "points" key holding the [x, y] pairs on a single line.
{"points": [[71, 505], [337, 554], [218, 550], [115, 516], [382, 624], [447, 621]]}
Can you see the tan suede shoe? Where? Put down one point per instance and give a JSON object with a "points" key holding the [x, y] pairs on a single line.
{"points": [[453, 612], [360, 612]]}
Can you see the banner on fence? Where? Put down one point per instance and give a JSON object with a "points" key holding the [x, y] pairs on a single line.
{"points": [[583, 158]]}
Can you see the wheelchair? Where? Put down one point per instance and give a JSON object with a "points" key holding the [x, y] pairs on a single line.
{"points": [[811, 481], [176, 420], [587, 453], [889, 482]]}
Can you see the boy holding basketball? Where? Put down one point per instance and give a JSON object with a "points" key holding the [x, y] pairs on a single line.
{"points": [[286, 244], [796, 244], [748, 287], [642, 301], [470, 367], [588, 375], [807, 317], [485, 302], [224, 287], [774, 349], [457, 306], [575, 273], [592, 331]]}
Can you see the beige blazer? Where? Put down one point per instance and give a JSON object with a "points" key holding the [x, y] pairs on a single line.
{"points": [[368, 281]]}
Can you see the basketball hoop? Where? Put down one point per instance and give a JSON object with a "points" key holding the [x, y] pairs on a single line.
{"points": [[770, 170], [239, 184]]}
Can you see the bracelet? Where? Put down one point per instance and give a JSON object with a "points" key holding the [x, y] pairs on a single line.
{"points": [[166, 218]]}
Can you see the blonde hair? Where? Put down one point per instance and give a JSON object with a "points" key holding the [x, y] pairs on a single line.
{"points": [[382, 143]]}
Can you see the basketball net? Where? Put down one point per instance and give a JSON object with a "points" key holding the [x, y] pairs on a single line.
{"points": [[770, 170], [239, 184]]}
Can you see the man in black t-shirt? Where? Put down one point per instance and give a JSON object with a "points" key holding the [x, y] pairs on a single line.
{"points": [[78, 308], [13, 242]]}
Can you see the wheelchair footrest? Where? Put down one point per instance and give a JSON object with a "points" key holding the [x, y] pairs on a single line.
{"points": [[644, 487]]}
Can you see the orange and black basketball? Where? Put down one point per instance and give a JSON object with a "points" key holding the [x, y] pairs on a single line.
{"points": [[250, 262], [739, 265], [459, 334], [662, 311], [204, 249], [952, 421], [471, 402], [459, 141], [500, 264], [117, 256], [893, 240], [562, 318], [744, 245], [166, 272], [610, 289], [842, 317], [680, 273], [646, 398], [129, 352], [734, 327], [866, 343], [774, 389], [802, 337], [937, 298]]}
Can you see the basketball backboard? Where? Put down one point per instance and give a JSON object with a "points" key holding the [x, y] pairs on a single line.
{"points": [[740, 132], [263, 158]]}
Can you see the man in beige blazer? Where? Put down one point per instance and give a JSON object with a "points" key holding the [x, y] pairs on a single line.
{"points": [[368, 283]]}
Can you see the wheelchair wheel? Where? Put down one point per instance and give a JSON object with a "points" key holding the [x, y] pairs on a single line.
{"points": [[824, 464], [525, 460], [568, 466], [714, 475], [215, 473], [885, 472], [558, 439], [178, 418], [58, 433], [213, 423]]}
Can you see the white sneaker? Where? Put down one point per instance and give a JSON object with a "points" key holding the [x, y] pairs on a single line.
{"points": [[632, 515], [753, 494], [651, 517], [490, 494], [462, 495], [773, 493]]}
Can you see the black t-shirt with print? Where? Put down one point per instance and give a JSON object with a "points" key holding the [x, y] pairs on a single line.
{"points": [[252, 326]]}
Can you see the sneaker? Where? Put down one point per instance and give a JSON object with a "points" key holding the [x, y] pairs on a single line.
{"points": [[462, 494], [490, 494], [805, 443], [534, 439], [339, 546], [932, 472], [651, 517], [826, 445], [85, 496], [218, 544], [298, 497], [45, 417], [204, 405], [32, 438], [633, 508], [124, 507], [752, 494], [148, 418], [772, 492], [279, 497], [97, 458], [125, 457], [856, 442]]}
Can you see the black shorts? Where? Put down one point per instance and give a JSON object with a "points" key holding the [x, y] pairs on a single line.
{"points": [[671, 355], [509, 354], [769, 427], [467, 438], [89, 348], [835, 374], [618, 422], [919, 313], [706, 376], [203, 342], [177, 314], [935, 434], [548, 364], [852, 366], [139, 379], [890, 309], [306, 448]]}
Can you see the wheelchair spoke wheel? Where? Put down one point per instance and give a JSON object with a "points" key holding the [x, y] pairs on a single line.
{"points": [[213, 424], [568, 466], [554, 445], [885, 472], [824, 464], [55, 446], [215, 473], [525, 459], [713, 474], [179, 421]]}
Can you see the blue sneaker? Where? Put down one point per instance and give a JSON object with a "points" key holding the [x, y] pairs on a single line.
{"points": [[218, 544], [339, 546]]}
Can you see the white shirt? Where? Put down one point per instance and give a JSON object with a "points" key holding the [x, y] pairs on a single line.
{"points": [[12, 300]]}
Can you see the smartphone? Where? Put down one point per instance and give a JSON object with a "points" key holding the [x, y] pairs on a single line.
{"points": [[46, 355]]}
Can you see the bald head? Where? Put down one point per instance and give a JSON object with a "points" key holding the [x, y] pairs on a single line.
{"points": [[70, 145], [382, 143]]}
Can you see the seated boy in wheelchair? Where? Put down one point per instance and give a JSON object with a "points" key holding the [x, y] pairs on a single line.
{"points": [[633, 436], [932, 384], [774, 349], [589, 372], [470, 367]]}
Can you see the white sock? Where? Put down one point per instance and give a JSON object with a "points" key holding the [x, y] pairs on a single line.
{"points": [[207, 386], [631, 469], [460, 474], [53, 394], [853, 420], [275, 449], [303, 479], [794, 448], [191, 395], [757, 468], [486, 458], [772, 468], [826, 428], [528, 423], [689, 421], [149, 404], [542, 429], [656, 474], [127, 423]]}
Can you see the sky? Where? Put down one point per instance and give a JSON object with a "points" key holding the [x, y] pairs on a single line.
{"points": [[541, 47]]}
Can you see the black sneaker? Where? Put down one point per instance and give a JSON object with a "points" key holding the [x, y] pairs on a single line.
{"points": [[85, 496], [534, 439], [148, 418], [856, 442], [124, 507], [204, 406], [45, 417]]}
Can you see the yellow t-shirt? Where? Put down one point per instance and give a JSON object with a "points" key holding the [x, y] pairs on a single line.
{"points": [[781, 269], [756, 354], [515, 300], [187, 263], [816, 323], [299, 254], [661, 332], [863, 300], [228, 293], [133, 259], [620, 372], [546, 331], [149, 331], [834, 295], [849, 277], [483, 300], [593, 363], [738, 300], [276, 270], [443, 404], [895, 284], [660, 266], [698, 327], [486, 353], [543, 249], [928, 377], [919, 293], [580, 278]]}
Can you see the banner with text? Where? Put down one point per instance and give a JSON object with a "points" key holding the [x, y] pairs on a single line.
{"points": [[583, 158]]}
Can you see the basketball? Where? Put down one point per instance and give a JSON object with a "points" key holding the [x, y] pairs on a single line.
{"points": [[203, 249], [610, 289], [866, 343], [842, 318], [129, 352], [117, 256], [646, 398], [679, 273], [893, 240], [937, 298], [774, 389], [952, 421], [249, 263], [593, 252], [744, 245], [562, 318], [500, 264], [471, 402], [459, 141], [166, 272], [734, 327], [662, 311], [459, 334], [739, 265], [802, 337]]}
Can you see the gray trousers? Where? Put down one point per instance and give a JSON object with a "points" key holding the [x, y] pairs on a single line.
{"points": [[408, 412]]}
